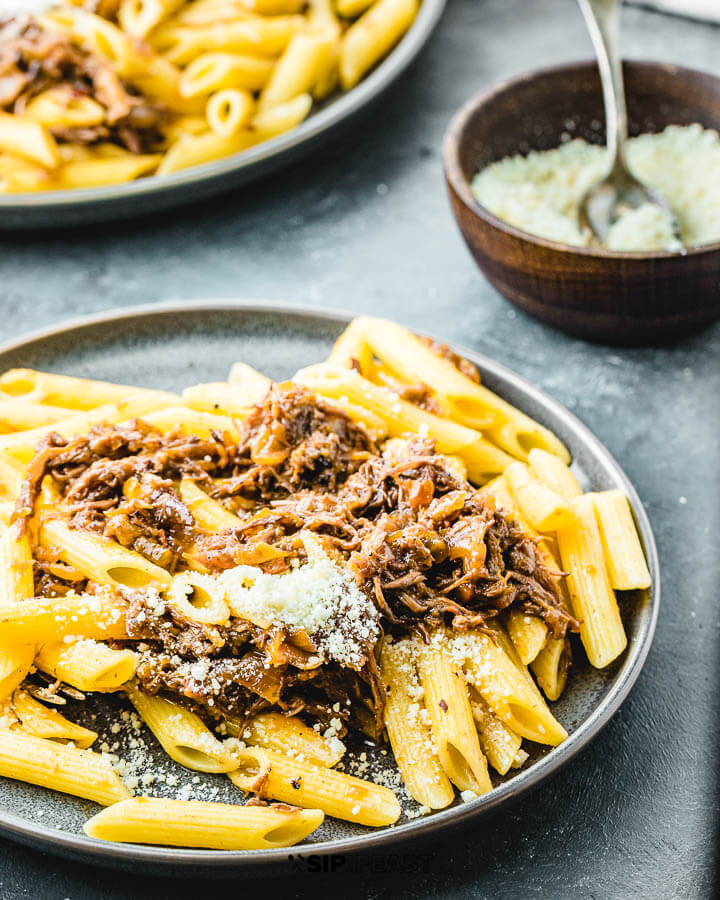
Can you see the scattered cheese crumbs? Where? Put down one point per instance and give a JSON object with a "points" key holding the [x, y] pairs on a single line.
{"points": [[356, 809], [467, 796]]}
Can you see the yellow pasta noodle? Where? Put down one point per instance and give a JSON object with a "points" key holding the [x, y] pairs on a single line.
{"points": [[31, 140], [48, 723], [540, 505], [499, 743], [19, 415], [550, 667], [623, 552], [229, 110], [184, 737], [451, 720], [370, 38], [290, 736], [290, 780], [194, 823], [43, 620], [410, 736], [15, 662], [87, 665], [60, 767], [555, 473], [99, 558], [529, 634], [591, 595]]}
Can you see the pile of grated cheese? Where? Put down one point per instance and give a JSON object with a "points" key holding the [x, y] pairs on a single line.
{"points": [[321, 597], [541, 192]]}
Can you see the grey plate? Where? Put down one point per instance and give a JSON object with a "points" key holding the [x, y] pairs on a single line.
{"points": [[172, 346], [52, 209]]}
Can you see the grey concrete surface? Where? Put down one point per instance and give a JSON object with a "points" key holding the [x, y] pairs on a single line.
{"points": [[366, 226]]}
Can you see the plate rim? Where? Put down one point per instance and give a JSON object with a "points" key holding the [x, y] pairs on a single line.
{"points": [[159, 859], [326, 118]]}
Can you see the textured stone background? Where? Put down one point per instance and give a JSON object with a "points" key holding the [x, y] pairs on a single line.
{"points": [[366, 226]]}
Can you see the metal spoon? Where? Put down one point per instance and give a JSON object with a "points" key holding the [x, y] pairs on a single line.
{"points": [[619, 191]]}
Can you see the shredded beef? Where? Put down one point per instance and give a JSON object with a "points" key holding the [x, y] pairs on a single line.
{"points": [[421, 543]]}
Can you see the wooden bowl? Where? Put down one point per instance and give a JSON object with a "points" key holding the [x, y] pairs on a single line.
{"points": [[620, 298]]}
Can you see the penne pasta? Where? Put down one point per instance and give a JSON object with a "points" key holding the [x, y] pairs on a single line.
{"points": [[87, 665], [194, 823], [529, 634], [15, 663], [451, 720], [61, 767], [65, 390], [208, 513], [372, 36], [299, 68], [291, 737], [290, 780], [41, 620], [29, 140], [139, 17], [409, 730], [19, 415], [499, 743], [540, 505], [211, 72], [550, 667], [229, 110], [43, 722], [99, 558], [182, 734], [624, 557], [591, 596], [221, 397], [555, 473]]}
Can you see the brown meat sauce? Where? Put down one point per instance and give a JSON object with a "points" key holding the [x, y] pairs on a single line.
{"points": [[421, 543]]}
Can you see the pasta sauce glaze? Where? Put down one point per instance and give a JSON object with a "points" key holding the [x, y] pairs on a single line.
{"points": [[421, 544]]}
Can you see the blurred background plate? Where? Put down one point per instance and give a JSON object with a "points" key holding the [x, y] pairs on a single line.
{"points": [[172, 346], [53, 209]]}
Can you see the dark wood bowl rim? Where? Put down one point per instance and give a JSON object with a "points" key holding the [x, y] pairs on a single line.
{"points": [[459, 183]]}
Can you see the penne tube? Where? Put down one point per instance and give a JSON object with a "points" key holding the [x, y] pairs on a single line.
{"points": [[205, 12], [22, 444], [101, 559], [299, 68], [47, 723], [540, 505], [407, 724], [555, 473], [221, 397], [7, 508], [281, 117], [289, 780], [253, 383], [194, 823], [61, 767], [62, 107], [258, 36], [451, 720], [19, 415], [87, 665], [28, 139], [12, 475], [198, 150], [290, 736], [100, 172], [506, 686], [550, 667], [499, 743], [192, 421], [182, 734], [15, 663], [139, 17], [529, 634], [198, 598], [229, 110], [400, 417], [624, 557], [41, 620], [212, 72], [372, 36], [208, 513], [467, 402], [16, 567], [591, 596], [65, 390], [351, 9]]}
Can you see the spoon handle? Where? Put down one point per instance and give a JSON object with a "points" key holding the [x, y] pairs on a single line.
{"points": [[602, 19]]}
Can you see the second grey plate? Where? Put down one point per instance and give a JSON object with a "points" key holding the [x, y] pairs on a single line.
{"points": [[173, 346], [53, 209]]}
